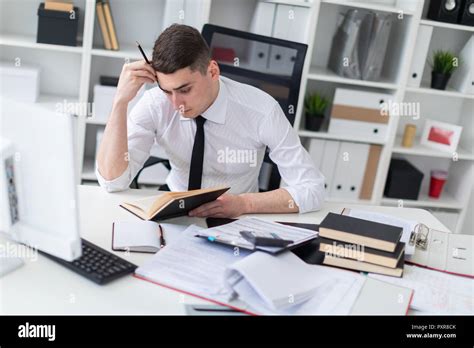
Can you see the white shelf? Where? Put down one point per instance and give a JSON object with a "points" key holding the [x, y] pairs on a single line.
{"points": [[453, 26], [421, 150], [445, 201], [300, 3], [126, 51], [325, 135], [324, 74], [368, 6], [443, 93], [30, 42]]}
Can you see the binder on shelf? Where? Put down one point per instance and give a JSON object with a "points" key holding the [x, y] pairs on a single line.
{"points": [[110, 25], [358, 113], [262, 20], [370, 172], [328, 162], [377, 46], [103, 25], [463, 76], [352, 158], [420, 55], [316, 151], [290, 23]]}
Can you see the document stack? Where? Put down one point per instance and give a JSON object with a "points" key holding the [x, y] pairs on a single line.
{"points": [[362, 245]]}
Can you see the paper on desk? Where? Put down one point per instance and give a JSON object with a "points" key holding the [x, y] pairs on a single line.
{"points": [[192, 264], [284, 284], [407, 225], [232, 230], [436, 292]]}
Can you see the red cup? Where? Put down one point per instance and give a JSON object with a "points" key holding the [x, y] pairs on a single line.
{"points": [[438, 178]]}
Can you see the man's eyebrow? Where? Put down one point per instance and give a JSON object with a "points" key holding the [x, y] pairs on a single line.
{"points": [[177, 88]]}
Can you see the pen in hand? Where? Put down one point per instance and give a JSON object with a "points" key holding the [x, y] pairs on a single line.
{"points": [[162, 237], [144, 57]]}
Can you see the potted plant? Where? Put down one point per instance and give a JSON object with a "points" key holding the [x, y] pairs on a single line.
{"points": [[443, 65], [315, 106]]}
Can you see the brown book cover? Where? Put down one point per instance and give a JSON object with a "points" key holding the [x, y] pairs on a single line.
{"points": [[358, 231], [103, 25], [110, 26], [58, 6], [365, 266], [172, 204], [360, 253]]}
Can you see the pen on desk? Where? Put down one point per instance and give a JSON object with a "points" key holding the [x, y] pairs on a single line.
{"points": [[144, 56], [162, 237]]}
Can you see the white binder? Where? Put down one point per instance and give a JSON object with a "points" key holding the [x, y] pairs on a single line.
{"points": [[290, 23], [349, 171], [316, 151], [422, 45], [463, 76], [328, 163], [189, 12], [262, 21]]}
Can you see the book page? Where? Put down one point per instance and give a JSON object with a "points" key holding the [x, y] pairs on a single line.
{"points": [[436, 292]]}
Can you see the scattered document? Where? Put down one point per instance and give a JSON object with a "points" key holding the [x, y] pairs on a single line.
{"points": [[436, 292], [284, 284], [407, 225], [193, 265], [231, 233]]}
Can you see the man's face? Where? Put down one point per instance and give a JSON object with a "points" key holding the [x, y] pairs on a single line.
{"points": [[190, 92]]}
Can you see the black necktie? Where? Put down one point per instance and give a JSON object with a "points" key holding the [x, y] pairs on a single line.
{"points": [[195, 171]]}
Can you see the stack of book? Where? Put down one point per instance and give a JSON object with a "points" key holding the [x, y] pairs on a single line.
{"points": [[361, 245], [106, 23]]}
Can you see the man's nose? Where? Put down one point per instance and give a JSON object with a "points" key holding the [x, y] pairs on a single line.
{"points": [[177, 102]]}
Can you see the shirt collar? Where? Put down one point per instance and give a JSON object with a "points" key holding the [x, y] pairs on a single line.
{"points": [[218, 109]]}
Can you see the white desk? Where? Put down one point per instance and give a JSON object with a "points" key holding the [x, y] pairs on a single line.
{"points": [[45, 287]]}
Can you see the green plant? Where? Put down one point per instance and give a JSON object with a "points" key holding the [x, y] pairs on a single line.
{"points": [[315, 104], [444, 62]]}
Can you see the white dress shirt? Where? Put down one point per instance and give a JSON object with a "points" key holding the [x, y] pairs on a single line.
{"points": [[241, 123]]}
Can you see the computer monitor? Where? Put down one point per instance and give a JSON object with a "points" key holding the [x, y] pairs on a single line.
{"points": [[38, 203]]}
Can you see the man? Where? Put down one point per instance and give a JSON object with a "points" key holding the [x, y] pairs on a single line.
{"points": [[196, 115]]}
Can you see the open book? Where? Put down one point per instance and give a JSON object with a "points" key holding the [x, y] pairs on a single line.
{"points": [[172, 204]]}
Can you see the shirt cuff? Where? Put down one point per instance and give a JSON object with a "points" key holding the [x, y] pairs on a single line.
{"points": [[307, 197], [118, 184]]}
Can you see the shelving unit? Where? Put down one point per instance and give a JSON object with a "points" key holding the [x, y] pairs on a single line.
{"points": [[70, 73]]}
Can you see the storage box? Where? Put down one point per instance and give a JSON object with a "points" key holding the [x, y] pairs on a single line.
{"points": [[20, 83], [403, 180], [57, 27], [359, 113]]}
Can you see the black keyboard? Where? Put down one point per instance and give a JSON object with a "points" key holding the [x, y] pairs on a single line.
{"points": [[97, 264]]}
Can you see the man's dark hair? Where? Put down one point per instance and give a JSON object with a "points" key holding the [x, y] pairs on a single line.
{"points": [[180, 46]]}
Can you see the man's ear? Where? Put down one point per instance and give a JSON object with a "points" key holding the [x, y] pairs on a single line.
{"points": [[214, 70]]}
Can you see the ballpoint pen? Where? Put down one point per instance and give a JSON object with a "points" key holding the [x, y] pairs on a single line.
{"points": [[162, 237], [144, 56]]}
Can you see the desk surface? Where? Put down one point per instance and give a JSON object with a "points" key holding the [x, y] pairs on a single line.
{"points": [[42, 286]]}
